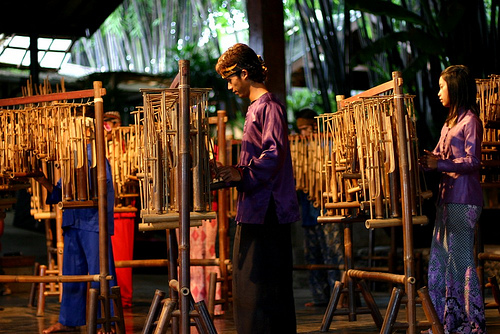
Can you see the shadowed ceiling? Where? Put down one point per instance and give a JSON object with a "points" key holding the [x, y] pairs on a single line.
{"points": [[55, 18]]}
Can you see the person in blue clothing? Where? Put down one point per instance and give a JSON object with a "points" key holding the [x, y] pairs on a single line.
{"points": [[81, 252], [322, 242]]}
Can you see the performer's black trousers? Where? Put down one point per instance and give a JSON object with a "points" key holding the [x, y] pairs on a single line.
{"points": [[262, 278]]}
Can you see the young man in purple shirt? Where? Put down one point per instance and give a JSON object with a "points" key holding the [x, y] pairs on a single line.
{"points": [[267, 202]]}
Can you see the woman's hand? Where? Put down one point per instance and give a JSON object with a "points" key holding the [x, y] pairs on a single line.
{"points": [[429, 160]]}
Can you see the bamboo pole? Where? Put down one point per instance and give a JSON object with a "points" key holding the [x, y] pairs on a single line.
{"points": [[185, 195], [380, 276], [51, 279], [405, 201], [222, 207], [390, 222], [102, 205]]}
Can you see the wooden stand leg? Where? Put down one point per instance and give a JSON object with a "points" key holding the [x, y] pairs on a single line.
{"points": [[93, 301], [204, 317], [116, 297], [170, 312], [332, 306], [392, 311], [92, 311], [211, 294], [32, 299], [493, 284], [202, 320], [153, 311], [349, 289], [169, 306], [370, 302], [40, 310], [430, 312]]}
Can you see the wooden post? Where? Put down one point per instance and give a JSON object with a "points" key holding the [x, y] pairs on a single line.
{"points": [[267, 38]]}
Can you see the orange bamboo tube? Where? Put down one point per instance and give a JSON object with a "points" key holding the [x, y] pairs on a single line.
{"points": [[81, 187], [164, 263], [389, 222], [157, 226], [50, 279], [44, 215], [174, 217], [125, 209], [77, 204], [339, 219], [488, 256], [342, 205], [382, 277]]}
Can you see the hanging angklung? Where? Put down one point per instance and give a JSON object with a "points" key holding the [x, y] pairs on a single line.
{"points": [[121, 152], [488, 97], [157, 138], [75, 146], [305, 152], [359, 163]]}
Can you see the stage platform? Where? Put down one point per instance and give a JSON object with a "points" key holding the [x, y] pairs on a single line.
{"points": [[17, 318]]}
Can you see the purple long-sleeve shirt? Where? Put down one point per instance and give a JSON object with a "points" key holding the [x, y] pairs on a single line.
{"points": [[459, 149], [266, 164]]}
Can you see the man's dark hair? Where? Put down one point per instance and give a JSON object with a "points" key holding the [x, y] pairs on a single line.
{"points": [[306, 113], [241, 57]]}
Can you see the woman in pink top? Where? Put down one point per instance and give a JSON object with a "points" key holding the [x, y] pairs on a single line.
{"points": [[453, 283]]}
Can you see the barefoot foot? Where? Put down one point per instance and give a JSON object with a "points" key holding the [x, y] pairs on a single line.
{"points": [[102, 331], [58, 328]]}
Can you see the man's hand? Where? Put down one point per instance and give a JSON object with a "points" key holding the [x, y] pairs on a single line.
{"points": [[229, 174], [214, 168]]}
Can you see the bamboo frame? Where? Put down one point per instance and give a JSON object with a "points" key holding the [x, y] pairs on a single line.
{"points": [[174, 172], [369, 151], [488, 97], [96, 93]]}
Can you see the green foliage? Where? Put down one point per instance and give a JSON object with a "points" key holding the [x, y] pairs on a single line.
{"points": [[144, 35], [417, 37], [301, 98], [385, 8]]}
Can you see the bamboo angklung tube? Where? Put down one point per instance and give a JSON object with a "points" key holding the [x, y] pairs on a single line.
{"points": [[47, 132], [306, 161], [77, 140], [121, 153], [389, 222], [359, 161], [381, 277], [157, 150], [50, 279]]}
